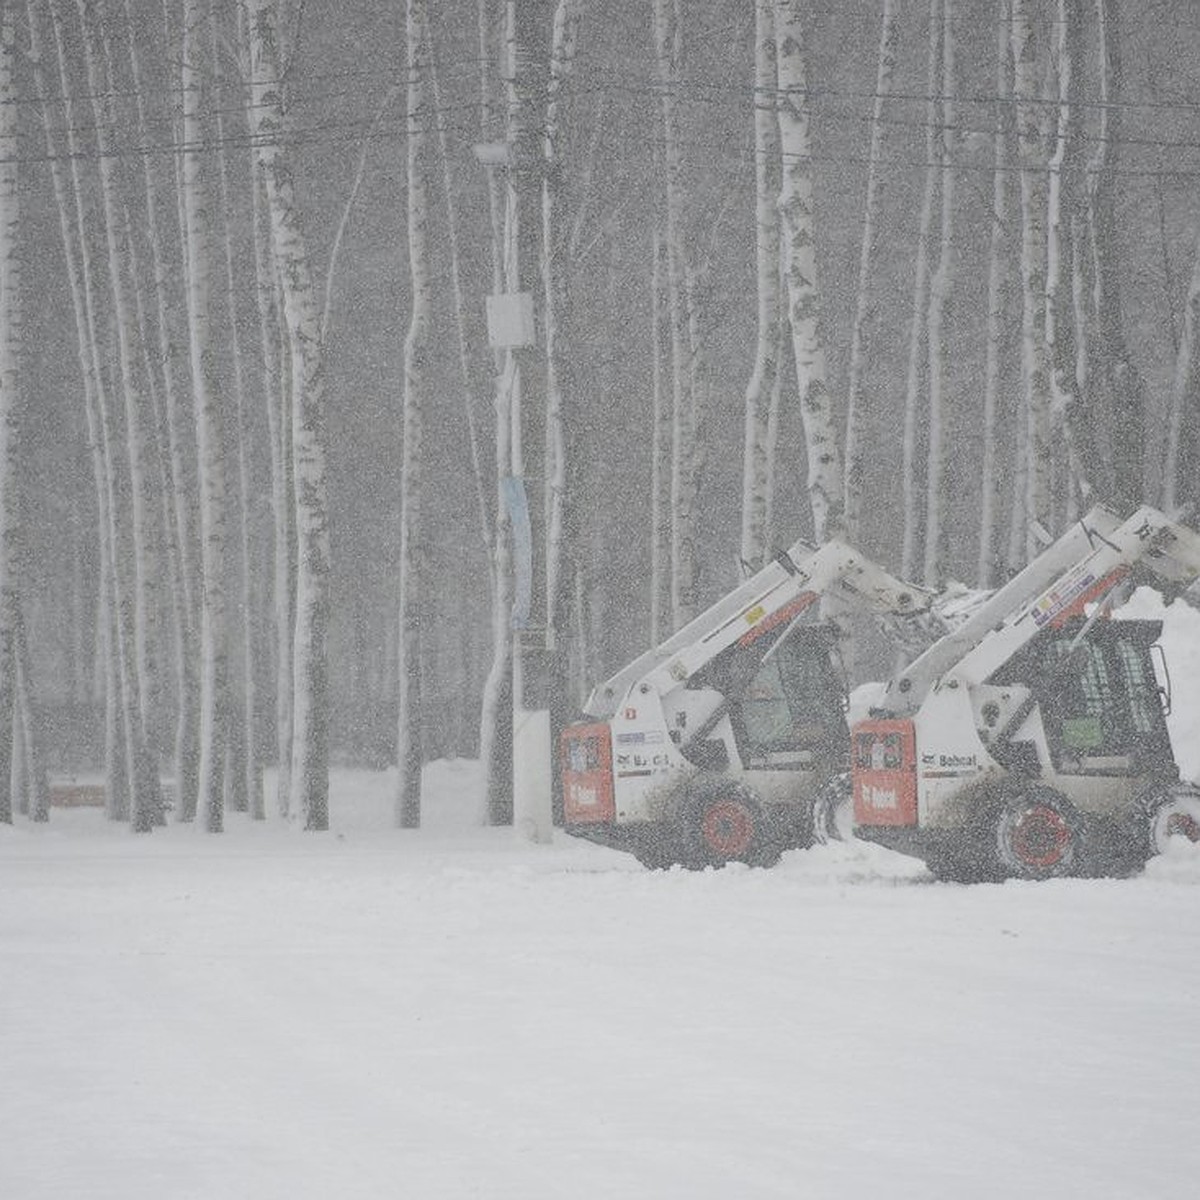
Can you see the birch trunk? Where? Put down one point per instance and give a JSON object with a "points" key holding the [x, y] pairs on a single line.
{"points": [[917, 333], [988, 570], [125, 761], [936, 537], [275, 394], [310, 710], [1113, 371], [826, 494], [137, 613], [198, 234], [179, 542], [556, 321], [1183, 396], [1063, 210], [416, 367], [660, 450], [25, 728], [495, 717], [9, 410], [755, 468], [668, 43], [466, 364], [120, 276], [1035, 382], [855, 398], [245, 785]]}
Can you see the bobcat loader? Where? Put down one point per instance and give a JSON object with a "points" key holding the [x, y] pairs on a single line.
{"points": [[1031, 741], [711, 747]]}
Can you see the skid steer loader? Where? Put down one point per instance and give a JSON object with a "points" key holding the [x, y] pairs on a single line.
{"points": [[711, 747], [1031, 741]]}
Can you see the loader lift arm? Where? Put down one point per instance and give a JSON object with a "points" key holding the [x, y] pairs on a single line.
{"points": [[781, 592]]}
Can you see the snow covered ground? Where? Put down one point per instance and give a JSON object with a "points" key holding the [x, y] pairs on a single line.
{"points": [[453, 1013]]}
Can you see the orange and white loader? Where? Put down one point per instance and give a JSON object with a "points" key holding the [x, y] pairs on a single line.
{"points": [[711, 747], [1031, 741]]}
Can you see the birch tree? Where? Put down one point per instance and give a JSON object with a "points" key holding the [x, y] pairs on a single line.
{"points": [[144, 586], [10, 277], [855, 450], [560, 526], [756, 466], [1065, 205], [197, 227], [661, 386], [310, 709], [918, 324], [1113, 373], [989, 558], [1035, 518], [939, 299], [668, 49], [1183, 397], [824, 478], [243, 782], [416, 367], [178, 470], [495, 723]]}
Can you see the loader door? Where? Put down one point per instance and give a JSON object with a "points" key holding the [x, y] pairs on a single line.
{"points": [[1101, 707], [790, 715]]}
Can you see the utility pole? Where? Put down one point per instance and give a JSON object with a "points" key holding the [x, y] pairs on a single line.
{"points": [[513, 326]]}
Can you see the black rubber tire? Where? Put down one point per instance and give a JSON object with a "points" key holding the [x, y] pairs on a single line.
{"points": [[833, 811], [1037, 833], [656, 848], [724, 823], [1164, 816]]}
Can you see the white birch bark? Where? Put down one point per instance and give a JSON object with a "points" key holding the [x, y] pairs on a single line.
{"points": [[1183, 391], [131, 778], [198, 234], [144, 530], [918, 328], [138, 603], [244, 787], [1112, 369], [467, 372], [826, 494], [179, 541], [495, 716], [276, 400], [409, 751], [939, 299], [1064, 210], [660, 449], [1035, 382], [10, 280], [988, 569], [555, 293], [310, 731], [756, 475], [668, 42], [855, 398], [36, 781]]}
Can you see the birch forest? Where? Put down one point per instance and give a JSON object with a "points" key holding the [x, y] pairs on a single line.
{"points": [[351, 353]]}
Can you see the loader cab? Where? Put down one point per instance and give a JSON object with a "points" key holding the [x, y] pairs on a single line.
{"points": [[1102, 706], [786, 698]]}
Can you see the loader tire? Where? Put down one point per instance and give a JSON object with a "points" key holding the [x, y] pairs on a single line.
{"points": [[725, 824], [1170, 818], [1038, 834], [833, 812]]}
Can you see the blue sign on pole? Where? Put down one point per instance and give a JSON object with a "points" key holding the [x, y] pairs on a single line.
{"points": [[515, 501]]}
